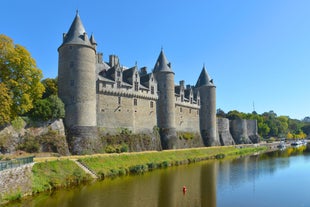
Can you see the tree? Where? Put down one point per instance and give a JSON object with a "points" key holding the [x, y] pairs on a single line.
{"points": [[220, 113], [48, 109], [51, 87], [306, 128], [263, 129], [6, 103], [19, 73], [234, 114]]}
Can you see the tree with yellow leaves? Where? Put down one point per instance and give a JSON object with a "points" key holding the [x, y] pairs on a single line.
{"points": [[20, 79]]}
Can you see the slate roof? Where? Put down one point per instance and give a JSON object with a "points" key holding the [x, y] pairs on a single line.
{"points": [[204, 79], [76, 32], [162, 64]]}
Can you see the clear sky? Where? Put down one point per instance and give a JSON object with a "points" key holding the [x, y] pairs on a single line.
{"points": [[257, 51]]}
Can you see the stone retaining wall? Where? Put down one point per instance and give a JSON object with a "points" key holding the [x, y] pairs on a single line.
{"points": [[16, 180]]}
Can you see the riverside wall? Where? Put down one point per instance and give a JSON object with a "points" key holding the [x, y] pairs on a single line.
{"points": [[16, 181], [244, 131], [223, 132]]}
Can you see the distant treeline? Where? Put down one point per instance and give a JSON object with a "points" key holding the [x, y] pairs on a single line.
{"points": [[270, 125]]}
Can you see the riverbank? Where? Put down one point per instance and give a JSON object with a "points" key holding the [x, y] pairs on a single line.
{"points": [[63, 172]]}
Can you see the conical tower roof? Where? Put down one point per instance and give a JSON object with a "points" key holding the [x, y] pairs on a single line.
{"points": [[204, 79], [76, 33], [162, 64]]}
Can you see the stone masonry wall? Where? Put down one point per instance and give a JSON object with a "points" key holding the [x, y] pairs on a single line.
{"points": [[244, 131], [114, 111], [16, 180], [186, 118], [223, 132], [144, 116], [117, 111]]}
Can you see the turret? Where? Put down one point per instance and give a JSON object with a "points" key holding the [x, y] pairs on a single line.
{"points": [[77, 86], [166, 102], [207, 113]]}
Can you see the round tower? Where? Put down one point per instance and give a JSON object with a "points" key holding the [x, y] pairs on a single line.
{"points": [[77, 86], [166, 102], [207, 112]]}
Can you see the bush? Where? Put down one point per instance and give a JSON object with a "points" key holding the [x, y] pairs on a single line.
{"points": [[29, 144], [48, 109], [117, 148], [187, 135], [18, 123], [220, 156], [138, 169]]}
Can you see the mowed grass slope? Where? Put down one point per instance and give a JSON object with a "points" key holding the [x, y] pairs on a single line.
{"points": [[133, 163]]}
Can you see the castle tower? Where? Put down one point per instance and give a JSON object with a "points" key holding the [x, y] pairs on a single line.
{"points": [[166, 102], [207, 113], [77, 87]]}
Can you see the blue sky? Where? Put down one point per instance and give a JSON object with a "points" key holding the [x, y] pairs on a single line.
{"points": [[257, 51]]}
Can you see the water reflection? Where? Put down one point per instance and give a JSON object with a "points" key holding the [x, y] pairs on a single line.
{"points": [[241, 182]]}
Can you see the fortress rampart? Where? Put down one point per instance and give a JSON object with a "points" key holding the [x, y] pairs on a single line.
{"points": [[107, 96]]}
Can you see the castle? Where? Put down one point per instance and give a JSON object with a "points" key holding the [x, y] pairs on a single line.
{"points": [[109, 96]]}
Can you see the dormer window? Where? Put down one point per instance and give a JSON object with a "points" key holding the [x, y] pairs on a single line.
{"points": [[118, 73], [136, 86]]}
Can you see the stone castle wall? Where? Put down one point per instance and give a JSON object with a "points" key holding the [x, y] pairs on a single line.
{"points": [[126, 111], [223, 132], [187, 117], [144, 115], [244, 131]]}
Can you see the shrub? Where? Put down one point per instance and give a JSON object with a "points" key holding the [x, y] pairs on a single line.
{"points": [[18, 123], [138, 169], [117, 148], [29, 144], [186, 135], [220, 156]]}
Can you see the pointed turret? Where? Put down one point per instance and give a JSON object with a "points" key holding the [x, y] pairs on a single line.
{"points": [[92, 40], [166, 102], [207, 112], [162, 64], [204, 79], [77, 87], [76, 33]]}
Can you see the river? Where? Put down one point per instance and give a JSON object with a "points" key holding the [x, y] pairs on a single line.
{"points": [[279, 178]]}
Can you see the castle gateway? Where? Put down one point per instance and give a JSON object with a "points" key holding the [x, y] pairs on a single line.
{"points": [[107, 96]]}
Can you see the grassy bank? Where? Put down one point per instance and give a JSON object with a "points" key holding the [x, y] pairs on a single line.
{"points": [[134, 163], [62, 172], [57, 174]]}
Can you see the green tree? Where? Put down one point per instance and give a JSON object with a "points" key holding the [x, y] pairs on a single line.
{"points": [[48, 109], [306, 128], [19, 73], [51, 87], [6, 104], [282, 122], [263, 129], [234, 114], [220, 113]]}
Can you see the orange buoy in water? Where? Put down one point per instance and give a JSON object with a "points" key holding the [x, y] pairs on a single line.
{"points": [[184, 189]]}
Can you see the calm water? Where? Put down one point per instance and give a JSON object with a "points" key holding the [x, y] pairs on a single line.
{"points": [[279, 178]]}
